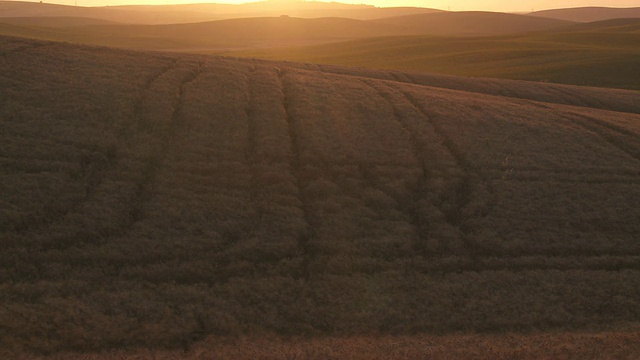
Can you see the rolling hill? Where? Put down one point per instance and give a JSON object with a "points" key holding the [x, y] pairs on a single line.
{"points": [[54, 22], [191, 13], [589, 14], [620, 26], [211, 36], [472, 23], [165, 202], [598, 54], [250, 31], [265, 32], [24, 9]]}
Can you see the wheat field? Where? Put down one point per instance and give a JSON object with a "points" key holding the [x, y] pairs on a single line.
{"points": [[163, 202]]}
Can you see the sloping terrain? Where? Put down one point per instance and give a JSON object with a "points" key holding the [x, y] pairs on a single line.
{"points": [[602, 54], [154, 200], [589, 14], [190, 13], [623, 25], [266, 32], [246, 32], [473, 23], [34, 9], [53, 22], [208, 36]]}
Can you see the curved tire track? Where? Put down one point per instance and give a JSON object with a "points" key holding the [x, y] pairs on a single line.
{"points": [[296, 166]]}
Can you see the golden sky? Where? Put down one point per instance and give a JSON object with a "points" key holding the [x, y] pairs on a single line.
{"points": [[454, 5]]}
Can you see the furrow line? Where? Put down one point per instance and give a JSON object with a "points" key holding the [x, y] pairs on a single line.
{"points": [[250, 150], [451, 147], [401, 77], [410, 207], [142, 192], [124, 133], [137, 116], [559, 88], [604, 130], [296, 166], [96, 165], [463, 190], [599, 128]]}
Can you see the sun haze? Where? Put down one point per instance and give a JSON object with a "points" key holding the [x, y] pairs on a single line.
{"points": [[454, 5]]}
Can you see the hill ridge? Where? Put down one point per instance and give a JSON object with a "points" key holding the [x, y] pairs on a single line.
{"points": [[589, 13], [616, 99]]}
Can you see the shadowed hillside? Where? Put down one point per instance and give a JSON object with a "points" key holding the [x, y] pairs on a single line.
{"points": [[159, 200], [597, 54], [261, 32], [190, 13], [473, 23], [589, 14], [209, 36], [53, 22]]}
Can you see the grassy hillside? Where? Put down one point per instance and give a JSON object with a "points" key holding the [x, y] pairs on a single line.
{"points": [[303, 9], [603, 54], [190, 13], [261, 32], [589, 14], [209, 36], [473, 23], [167, 202], [54, 22], [249, 31], [36, 9]]}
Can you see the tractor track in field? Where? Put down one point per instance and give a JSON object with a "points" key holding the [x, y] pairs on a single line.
{"points": [[304, 239], [141, 192], [463, 190], [93, 166], [251, 146], [608, 132], [401, 77], [155, 162], [410, 207]]}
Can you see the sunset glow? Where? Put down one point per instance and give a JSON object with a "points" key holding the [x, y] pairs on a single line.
{"points": [[453, 5]]}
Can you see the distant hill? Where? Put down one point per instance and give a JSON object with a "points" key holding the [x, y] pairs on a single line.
{"points": [[156, 202], [620, 26], [598, 54], [589, 14], [191, 13], [240, 31], [54, 22], [303, 9], [234, 34], [21, 9], [473, 23], [217, 35]]}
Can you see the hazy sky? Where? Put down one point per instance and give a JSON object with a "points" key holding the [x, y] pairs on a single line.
{"points": [[455, 5]]}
